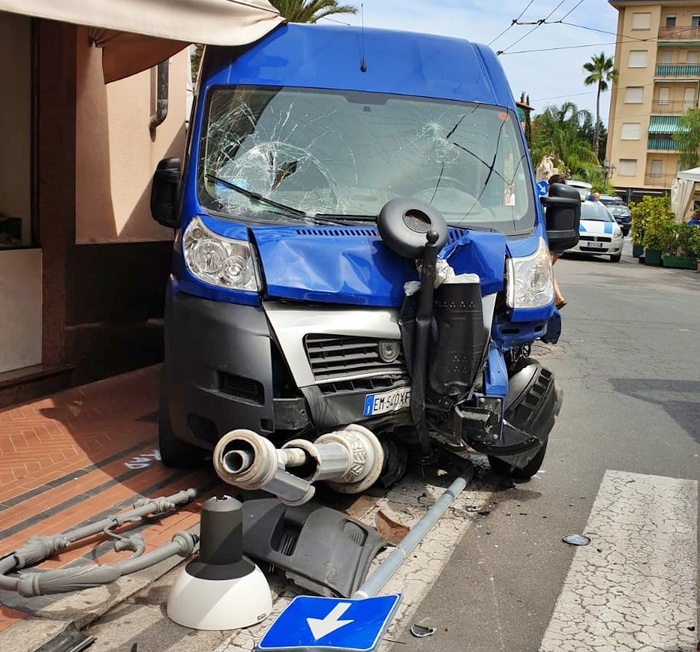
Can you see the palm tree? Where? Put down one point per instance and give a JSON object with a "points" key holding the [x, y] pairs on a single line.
{"points": [[310, 11], [601, 71], [559, 132]]}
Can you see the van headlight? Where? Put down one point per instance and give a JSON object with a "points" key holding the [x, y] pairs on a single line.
{"points": [[219, 261], [530, 281]]}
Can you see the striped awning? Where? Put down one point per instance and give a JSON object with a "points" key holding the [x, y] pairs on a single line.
{"points": [[665, 124]]}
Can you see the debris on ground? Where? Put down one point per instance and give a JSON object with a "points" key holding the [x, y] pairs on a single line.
{"points": [[391, 531]]}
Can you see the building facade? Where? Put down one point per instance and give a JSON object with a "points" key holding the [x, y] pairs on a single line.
{"points": [[83, 265], [658, 59]]}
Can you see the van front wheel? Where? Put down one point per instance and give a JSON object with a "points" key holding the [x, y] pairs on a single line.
{"points": [[173, 451]]}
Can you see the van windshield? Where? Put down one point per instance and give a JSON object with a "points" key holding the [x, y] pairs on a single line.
{"points": [[288, 154]]}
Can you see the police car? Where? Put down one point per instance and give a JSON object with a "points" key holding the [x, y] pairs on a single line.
{"points": [[599, 233]]}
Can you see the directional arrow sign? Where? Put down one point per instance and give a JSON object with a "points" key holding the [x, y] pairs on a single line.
{"points": [[332, 624], [320, 627]]}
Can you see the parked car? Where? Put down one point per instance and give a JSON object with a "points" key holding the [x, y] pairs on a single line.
{"points": [[599, 233], [623, 217], [583, 187], [610, 200]]}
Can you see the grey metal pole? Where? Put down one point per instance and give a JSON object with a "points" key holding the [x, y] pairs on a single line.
{"points": [[389, 566]]}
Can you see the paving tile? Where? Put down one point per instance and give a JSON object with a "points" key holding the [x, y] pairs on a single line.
{"points": [[64, 462]]}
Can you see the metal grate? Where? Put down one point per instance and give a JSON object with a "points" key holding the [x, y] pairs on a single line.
{"points": [[337, 356]]}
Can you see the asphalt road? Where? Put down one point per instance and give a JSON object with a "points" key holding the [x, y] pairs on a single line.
{"points": [[629, 364]]}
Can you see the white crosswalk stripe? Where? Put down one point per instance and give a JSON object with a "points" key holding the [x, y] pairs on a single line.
{"points": [[634, 587]]}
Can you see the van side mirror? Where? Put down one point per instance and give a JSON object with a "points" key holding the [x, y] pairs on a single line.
{"points": [[563, 216], [164, 192]]}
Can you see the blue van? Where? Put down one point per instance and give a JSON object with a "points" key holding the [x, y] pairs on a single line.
{"points": [[359, 240]]}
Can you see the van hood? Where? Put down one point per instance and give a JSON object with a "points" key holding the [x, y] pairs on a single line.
{"points": [[353, 266]]}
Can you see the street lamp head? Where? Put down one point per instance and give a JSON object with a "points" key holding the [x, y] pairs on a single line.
{"points": [[607, 168]]}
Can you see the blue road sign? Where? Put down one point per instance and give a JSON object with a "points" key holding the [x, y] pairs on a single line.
{"points": [[334, 624], [542, 187]]}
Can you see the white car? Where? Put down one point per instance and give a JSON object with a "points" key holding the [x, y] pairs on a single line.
{"points": [[599, 233]]}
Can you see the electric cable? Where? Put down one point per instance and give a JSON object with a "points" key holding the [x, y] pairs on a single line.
{"points": [[513, 22]]}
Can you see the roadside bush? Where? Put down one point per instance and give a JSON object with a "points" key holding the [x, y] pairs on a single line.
{"points": [[652, 223], [686, 241]]}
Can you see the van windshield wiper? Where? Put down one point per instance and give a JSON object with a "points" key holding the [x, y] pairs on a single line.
{"points": [[255, 196]]}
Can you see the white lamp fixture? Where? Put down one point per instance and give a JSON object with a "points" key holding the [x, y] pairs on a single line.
{"points": [[221, 589]]}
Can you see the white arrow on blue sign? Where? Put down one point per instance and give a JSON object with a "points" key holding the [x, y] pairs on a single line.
{"points": [[312, 623]]}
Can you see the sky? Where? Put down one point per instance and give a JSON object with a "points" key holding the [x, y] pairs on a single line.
{"points": [[545, 61]]}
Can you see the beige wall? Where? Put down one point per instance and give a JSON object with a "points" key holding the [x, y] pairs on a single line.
{"points": [[20, 308], [115, 153], [15, 121]]}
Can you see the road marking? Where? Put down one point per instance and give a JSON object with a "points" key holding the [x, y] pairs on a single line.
{"points": [[634, 586]]}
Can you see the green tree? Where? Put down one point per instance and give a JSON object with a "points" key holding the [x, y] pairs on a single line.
{"points": [[688, 139], [601, 71], [310, 11], [561, 132]]}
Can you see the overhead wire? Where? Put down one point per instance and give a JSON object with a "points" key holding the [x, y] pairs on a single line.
{"points": [[624, 38], [540, 22], [513, 22]]}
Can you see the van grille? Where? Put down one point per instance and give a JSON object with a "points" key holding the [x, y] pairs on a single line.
{"points": [[338, 356]]}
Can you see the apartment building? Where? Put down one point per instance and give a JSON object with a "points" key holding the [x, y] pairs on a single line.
{"points": [[658, 59]]}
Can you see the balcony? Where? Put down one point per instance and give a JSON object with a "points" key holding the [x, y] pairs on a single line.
{"points": [[686, 70], [674, 107], [679, 33], [659, 180], [662, 144]]}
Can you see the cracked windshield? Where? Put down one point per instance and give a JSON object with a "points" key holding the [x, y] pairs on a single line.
{"points": [[285, 155]]}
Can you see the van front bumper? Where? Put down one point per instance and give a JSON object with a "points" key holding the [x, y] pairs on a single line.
{"points": [[218, 372]]}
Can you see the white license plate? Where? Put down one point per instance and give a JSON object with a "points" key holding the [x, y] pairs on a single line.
{"points": [[595, 245], [396, 399]]}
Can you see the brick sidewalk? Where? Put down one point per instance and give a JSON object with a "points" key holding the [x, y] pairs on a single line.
{"points": [[76, 457]]}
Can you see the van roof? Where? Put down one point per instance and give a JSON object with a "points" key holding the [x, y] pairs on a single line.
{"points": [[394, 62]]}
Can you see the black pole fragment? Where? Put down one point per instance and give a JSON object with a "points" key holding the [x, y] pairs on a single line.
{"points": [[424, 319]]}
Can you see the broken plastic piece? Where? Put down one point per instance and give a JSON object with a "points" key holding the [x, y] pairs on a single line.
{"points": [[576, 539], [419, 631], [320, 549]]}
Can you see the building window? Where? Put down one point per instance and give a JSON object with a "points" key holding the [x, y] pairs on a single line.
{"points": [[634, 95], [664, 95], [16, 127], [692, 57], [627, 167], [641, 20], [695, 21], [630, 131], [670, 21], [688, 97], [656, 168], [664, 57], [638, 59]]}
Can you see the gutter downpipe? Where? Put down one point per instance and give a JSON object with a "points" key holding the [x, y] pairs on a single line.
{"points": [[390, 565], [162, 87]]}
